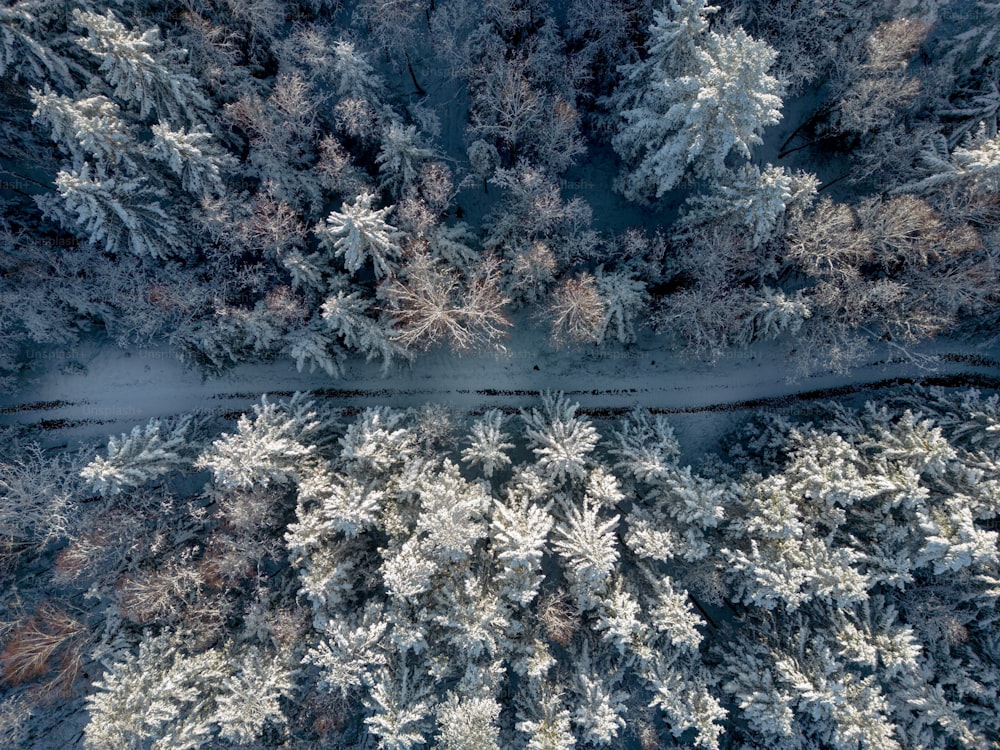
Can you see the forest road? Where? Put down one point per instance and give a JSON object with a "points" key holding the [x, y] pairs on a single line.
{"points": [[98, 389]]}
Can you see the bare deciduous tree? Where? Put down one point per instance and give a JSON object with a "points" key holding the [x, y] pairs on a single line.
{"points": [[431, 303], [576, 311]]}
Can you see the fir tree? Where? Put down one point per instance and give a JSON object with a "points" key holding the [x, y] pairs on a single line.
{"points": [[191, 156], [141, 72], [144, 455], [122, 215], [358, 233], [164, 697], [752, 199], [400, 158], [624, 297], [695, 117], [562, 441], [488, 444], [87, 129], [274, 447]]}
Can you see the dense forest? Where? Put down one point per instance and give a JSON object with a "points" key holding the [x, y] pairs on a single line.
{"points": [[324, 183]]}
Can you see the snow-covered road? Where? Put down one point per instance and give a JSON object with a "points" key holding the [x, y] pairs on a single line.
{"points": [[97, 389]]}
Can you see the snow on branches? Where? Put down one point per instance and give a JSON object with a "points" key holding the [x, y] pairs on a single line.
{"points": [[673, 118], [143, 455], [561, 440], [358, 233], [141, 72]]}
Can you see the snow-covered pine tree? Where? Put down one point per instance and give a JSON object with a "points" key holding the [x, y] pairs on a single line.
{"points": [[191, 156], [675, 37], [546, 722], [360, 89], [454, 244], [345, 315], [488, 447], [753, 199], [600, 705], [519, 532], [330, 566], [588, 546], [561, 441], [164, 697], [400, 705], [23, 57], [401, 157], [468, 723], [783, 563], [795, 679], [120, 215], [351, 650], [140, 70], [976, 164], [776, 313], [275, 447], [378, 443], [358, 233], [647, 448], [680, 687], [87, 129], [147, 453], [313, 347], [624, 297], [674, 620], [673, 120]]}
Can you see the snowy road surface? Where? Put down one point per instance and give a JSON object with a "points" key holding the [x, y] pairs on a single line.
{"points": [[97, 389]]}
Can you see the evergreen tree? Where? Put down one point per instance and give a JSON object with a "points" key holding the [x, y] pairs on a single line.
{"points": [[344, 314], [468, 723], [121, 215], [141, 72], [87, 129], [587, 544], [974, 165], [754, 200], [695, 117], [358, 233], [275, 447], [624, 297], [191, 156], [23, 54], [488, 444], [519, 533], [400, 708], [144, 455], [400, 158], [163, 697], [562, 441]]}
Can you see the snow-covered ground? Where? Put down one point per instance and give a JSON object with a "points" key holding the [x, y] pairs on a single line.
{"points": [[97, 389]]}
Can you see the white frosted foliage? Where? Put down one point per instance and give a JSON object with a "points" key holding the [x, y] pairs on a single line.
{"points": [[141, 456], [488, 444], [561, 440], [359, 233]]}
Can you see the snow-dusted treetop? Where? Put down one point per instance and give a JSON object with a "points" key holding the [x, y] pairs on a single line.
{"points": [[359, 232], [141, 72], [698, 117]]}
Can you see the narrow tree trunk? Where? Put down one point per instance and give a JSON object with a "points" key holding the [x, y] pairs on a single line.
{"points": [[708, 617], [834, 182], [413, 76]]}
